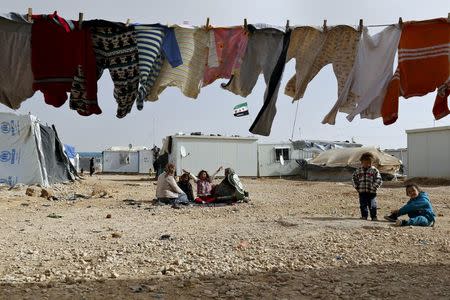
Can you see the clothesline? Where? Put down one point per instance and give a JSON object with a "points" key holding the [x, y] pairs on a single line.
{"points": [[400, 21], [143, 60]]}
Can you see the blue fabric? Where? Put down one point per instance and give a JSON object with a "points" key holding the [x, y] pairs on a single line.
{"points": [[419, 206], [418, 221], [368, 202], [70, 151], [171, 49]]}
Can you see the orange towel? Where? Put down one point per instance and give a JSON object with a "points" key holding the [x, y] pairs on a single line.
{"points": [[423, 66]]}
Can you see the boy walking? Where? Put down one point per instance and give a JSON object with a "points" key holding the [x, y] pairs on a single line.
{"points": [[366, 180]]}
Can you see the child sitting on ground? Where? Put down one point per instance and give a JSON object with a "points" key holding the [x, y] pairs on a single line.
{"points": [[366, 180], [186, 186], [204, 182], [418, 209]]}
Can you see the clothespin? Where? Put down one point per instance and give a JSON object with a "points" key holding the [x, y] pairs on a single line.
{"points": [[287, 25], [207, 23], [80, 20], [245, 23], [448, 17], [127, 23], [360, 25], [400, 22], [30, 14], [325, 25]]}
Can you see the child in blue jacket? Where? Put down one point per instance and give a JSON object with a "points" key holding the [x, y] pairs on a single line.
{"points": [[418, 209]]}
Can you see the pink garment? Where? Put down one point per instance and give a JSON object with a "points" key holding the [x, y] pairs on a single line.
{"points": [[230, 45], [204, 187]]}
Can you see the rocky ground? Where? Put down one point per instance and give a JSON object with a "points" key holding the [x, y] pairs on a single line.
{"points": [[101, 238]]}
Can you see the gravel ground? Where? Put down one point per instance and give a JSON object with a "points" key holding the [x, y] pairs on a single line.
{"points": [[103, 239]]}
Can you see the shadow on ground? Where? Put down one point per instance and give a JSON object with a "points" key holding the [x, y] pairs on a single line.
{"points": [[399, 281]]}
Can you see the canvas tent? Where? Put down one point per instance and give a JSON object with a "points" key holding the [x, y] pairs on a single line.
{"points": [[339, 164], [31, 153], [72, 155]]}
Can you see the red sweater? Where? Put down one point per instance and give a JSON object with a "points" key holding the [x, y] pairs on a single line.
{"points": [[423, 55], [58, 47]]}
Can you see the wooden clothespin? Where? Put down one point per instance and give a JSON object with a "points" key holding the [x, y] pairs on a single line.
{"points": [[127, 23], [360, 25], [30, 14], [207, 23], [400, 22], [80, 20], [325, 25], [287, 25]]}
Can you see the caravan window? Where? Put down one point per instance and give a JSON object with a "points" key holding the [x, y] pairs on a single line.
{"points": [[281, 151]]}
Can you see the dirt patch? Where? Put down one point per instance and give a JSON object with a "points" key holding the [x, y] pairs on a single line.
{"points": [[294, 239]]}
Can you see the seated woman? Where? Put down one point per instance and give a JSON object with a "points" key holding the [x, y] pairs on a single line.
{"points": [[418, 209], [186, 186], [230, 189], [167, 190], [204, 182]]}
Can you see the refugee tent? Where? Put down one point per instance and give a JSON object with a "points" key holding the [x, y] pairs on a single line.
{"points": [[73, 156], [339, 164], [319, 146], [31, 153]]}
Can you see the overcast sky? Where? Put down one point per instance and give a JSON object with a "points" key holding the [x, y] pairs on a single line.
{"points": [[212, 112]]}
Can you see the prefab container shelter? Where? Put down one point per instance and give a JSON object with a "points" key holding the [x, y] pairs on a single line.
{"points": [[269, 163], [429, 152], [127, 160], [210, 152]]}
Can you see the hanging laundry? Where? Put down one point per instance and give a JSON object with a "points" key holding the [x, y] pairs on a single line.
{"points": [[264, 48], [423, 66], [16, 77], [55, 66], [263, 122], [229, 44], [193, 45], [313, 49], [115, 49], [369, 79], [155, 42]]}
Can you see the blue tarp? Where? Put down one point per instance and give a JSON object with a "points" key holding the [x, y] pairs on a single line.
{"points": [[70, 151]]}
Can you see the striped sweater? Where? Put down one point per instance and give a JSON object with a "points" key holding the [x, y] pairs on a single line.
{"points": [[423, 66], [155, 42]]}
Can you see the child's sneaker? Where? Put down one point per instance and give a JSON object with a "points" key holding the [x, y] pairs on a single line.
{"points": [[391, 218], [363, 218], [374, 219]]}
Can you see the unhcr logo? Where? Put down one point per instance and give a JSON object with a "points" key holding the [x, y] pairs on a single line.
{"points": [[11, 127], [9, 156], [10, 180], [5, 127]]}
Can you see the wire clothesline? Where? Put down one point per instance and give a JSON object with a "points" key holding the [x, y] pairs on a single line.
{"points": [[400, 21]]}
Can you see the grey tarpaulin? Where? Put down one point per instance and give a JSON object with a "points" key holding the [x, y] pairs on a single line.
{"points": [[56, 163]]}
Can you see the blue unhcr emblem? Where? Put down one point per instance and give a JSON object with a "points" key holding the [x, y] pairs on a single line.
{"points": [[5, 127], [10, 180], [7, 156], [11, 127]]}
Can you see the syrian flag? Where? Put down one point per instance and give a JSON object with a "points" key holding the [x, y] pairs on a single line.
{"points": [[241, 110]]}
